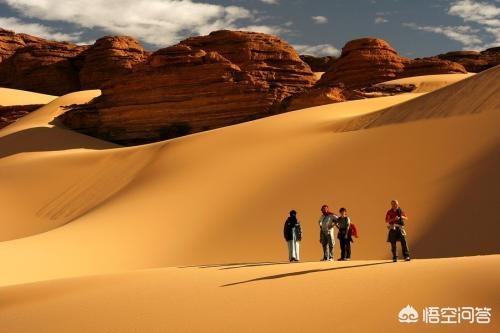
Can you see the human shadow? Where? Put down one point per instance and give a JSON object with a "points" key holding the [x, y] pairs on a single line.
{"points": [[309, 271], [238, 265]]}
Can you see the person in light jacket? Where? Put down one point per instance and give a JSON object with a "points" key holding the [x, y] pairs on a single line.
{"points": [[293, 235], [327, 221]]}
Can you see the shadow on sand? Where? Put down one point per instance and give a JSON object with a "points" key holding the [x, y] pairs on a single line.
{"points": [[309, 271], [236, 265], [38, 139]]}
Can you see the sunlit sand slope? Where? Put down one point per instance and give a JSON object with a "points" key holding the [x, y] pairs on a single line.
{"points": [[10, 97], [427, 83], [364, 296], [222, 196]]}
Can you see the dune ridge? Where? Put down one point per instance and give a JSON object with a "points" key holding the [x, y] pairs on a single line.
{"points": [[467, 96]]}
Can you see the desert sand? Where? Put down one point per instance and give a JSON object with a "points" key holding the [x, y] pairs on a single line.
{"points": [[10, 97], [427, 83], [94, 230]]}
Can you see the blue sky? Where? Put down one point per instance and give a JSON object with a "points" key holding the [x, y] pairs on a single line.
{"points": [[414, 28]]}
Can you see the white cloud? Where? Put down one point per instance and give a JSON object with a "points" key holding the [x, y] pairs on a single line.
{"points": [[317, 50], [483, 24], [463, 34], [320, 19], [486, 15], [36, 29], [380, 19], [476, 11], [158, 22], [272, 30], [270, 2]]}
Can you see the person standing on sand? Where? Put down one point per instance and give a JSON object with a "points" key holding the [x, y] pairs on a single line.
{"points": [[293, 235], [344, 235], [395, 218], [326, 222]]}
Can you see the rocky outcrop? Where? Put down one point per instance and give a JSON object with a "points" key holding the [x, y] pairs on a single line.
{"points": [[364, 62], [9, 43], [9, 114], [368, 61], [318, 64], [474, 61], [108, 58], [35, 64], [42, 66], [202, 83], [266, 58], [319, 96], [431, 66]]}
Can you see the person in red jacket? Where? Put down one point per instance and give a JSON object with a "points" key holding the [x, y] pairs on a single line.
{"points": [[396, 219]]}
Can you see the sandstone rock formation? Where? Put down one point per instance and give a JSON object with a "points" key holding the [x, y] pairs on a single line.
{"points": [[430, 66], [9, 43], [202, 83], [35, 64], [368, 61], [318, 64], [363, 62], [42, 66], [108, 58], [265, 57], [474, 61], [318, 96]]}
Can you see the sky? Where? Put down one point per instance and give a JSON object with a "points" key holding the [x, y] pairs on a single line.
{"points": [[319, 27]]}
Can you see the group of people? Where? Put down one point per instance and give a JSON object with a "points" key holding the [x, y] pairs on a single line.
{"points": [[395, 219]]}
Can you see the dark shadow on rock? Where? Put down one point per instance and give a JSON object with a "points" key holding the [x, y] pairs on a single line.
{"points": [[309, 271], [468, 223], [46, 139]]}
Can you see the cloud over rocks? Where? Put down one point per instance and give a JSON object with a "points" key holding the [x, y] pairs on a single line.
{"points": [[463, 34], [317, 50], [157, 22], [36, 29], [320, 19], [482, 29]]}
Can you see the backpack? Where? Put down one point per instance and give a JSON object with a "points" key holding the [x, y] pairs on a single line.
{"points": [[353, 230]]}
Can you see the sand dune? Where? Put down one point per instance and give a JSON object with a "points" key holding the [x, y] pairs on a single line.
{"points": [[427, 83], [10, 97], [222, 196], [469, 96], [363, 296], [84, 221]]}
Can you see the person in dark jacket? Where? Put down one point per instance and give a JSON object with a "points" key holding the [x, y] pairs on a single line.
{"points": [[396, 219], [344, 234], [293, 235]]}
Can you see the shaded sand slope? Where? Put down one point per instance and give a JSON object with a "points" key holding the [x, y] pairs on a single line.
{"points": [[469, 96], [222, 196], [427, 83], [363, 296], [10, 97], [33, 190]]}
